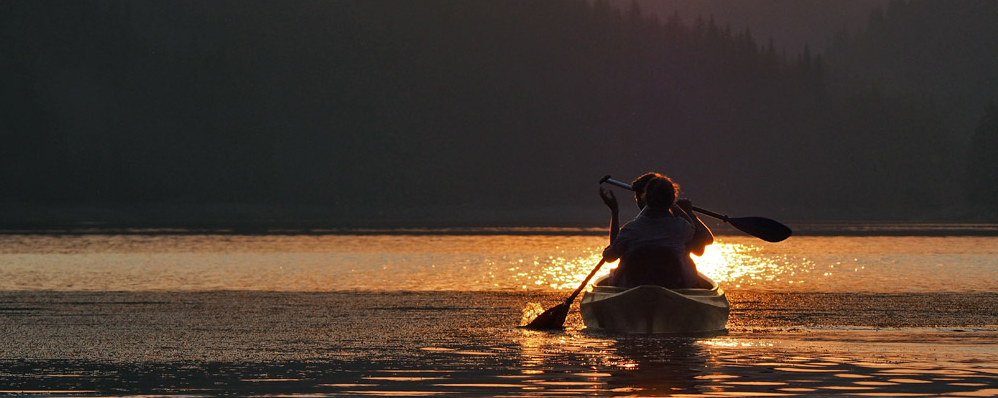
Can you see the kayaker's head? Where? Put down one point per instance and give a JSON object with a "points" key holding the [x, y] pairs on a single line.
{"points": [[639, 184], [661, 192]]}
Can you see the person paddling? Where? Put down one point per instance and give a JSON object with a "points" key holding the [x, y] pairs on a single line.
{"points": [[638, 186], [654, 248]]}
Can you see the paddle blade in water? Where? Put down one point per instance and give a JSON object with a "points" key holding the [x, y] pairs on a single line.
{"points": [[553, 318], [761, 227]]}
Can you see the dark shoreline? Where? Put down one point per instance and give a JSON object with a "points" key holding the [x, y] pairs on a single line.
{"points": [[466, 219], [810, 229]]}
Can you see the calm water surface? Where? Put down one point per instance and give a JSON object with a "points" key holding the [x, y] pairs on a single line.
{"points": [[477, 263], [428, 315]]}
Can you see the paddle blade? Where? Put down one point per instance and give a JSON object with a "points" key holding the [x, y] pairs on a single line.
{"points": [[553, 318], [762, 228]]}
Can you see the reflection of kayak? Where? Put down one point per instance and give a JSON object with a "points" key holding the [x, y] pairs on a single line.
{"points": [[655, 309]]}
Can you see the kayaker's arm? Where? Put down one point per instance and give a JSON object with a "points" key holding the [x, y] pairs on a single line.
{"points": [[610, 255], [611, 201], [702, 237]]}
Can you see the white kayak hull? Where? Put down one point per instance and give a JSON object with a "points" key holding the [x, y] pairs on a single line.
{"points": [[655, 309]]}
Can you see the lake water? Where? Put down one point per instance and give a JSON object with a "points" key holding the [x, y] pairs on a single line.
{"points": [[437, 314]]}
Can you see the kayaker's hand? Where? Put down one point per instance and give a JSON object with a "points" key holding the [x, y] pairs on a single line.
{"points": [[608, 198], [609, 255], [685, 204]]}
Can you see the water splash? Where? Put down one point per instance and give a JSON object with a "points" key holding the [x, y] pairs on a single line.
{"points": [[531, 311]]}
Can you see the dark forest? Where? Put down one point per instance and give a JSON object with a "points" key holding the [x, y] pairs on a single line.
{"points": [[456, 112]]}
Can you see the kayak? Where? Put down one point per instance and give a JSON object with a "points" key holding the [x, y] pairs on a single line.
{"points": [[655, 309]]}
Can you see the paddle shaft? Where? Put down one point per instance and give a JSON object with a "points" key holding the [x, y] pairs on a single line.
{"points": [[628, 187], [760, 227], [554, 317], [592, 273]]}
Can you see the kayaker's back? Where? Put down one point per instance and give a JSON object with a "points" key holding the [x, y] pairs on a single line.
{"points": [[655, 265]]}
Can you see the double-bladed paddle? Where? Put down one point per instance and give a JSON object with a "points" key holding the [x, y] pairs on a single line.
{"points": [[761, 227]]}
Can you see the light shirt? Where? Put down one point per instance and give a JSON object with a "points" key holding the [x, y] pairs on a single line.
{"points": [[654, 227]]}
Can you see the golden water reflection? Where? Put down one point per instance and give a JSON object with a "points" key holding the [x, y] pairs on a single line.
{"points": [[743, 265], [732, 264], [812, 264], [476, 263], [740, 365]]}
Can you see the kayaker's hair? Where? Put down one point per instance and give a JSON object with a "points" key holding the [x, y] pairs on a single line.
{"points": [[661, 192], [638, 185]]}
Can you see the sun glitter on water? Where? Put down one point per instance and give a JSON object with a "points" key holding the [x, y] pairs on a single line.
{"points": [[728, 262], [734, 264], [742, 265], [530, 312], [567, 273]]}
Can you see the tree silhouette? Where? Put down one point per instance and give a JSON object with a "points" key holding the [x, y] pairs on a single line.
{"points": [[378, 104], [982, 173]]}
